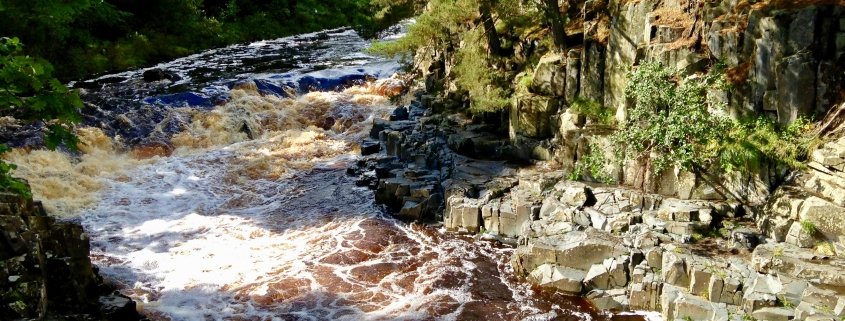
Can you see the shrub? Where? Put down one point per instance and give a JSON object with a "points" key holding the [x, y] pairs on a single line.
{"points": [[29, 93], [672, 125], [593, 110]]}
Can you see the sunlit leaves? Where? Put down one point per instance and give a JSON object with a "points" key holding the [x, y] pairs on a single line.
{"points": [[672, 124], [29, 93]]}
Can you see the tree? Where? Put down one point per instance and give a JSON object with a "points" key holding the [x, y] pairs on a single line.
{"points": [[29, 93], [494, 45], [551, 11]]}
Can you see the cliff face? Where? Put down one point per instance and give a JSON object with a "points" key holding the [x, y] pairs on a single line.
{"points": [[672, 241], [45, 271]]}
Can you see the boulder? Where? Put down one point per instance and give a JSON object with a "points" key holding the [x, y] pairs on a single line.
{"points": [[610, 274], [800, 236], [774, 314], [560, 278], [550, 76], [531, 116]]}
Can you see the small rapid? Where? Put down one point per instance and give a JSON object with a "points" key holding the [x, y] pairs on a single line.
{"points": [[243, 211]]}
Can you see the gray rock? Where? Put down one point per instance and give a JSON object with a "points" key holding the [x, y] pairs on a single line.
{"points": [[799, 236], [774, 314], [550, 76], [598, 220], [615, 299], [674, 270], [610, 274], [762, 293], [688, 306], [557, 277]]}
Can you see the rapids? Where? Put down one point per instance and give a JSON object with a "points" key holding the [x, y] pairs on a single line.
{"points": [[244, 212]]}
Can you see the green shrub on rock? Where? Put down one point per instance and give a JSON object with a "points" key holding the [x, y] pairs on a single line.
{"points": [[671, 124]]}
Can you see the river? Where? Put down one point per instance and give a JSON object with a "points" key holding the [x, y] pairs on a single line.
{"points": [[221, 194]]}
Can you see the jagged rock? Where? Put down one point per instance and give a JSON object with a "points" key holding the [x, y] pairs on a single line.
{"points": [[688, 306], [774, 314], [610, 274], [598, 220], [799, 236], [531, 116], [727, 290], [575, 194], [615, 299], [792, 290], [654, 257], [667, 299], [369, 147], [745, 237], [118, 307], [156, 74], [576, 249], [557, 277], [462, 212], [550, 76], [796, 262], [400, 113], [825, 216], [674, 269], [762, 293]]}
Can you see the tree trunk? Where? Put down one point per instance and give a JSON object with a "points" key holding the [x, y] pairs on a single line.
{"points": [[555, 19], [493, 43]]}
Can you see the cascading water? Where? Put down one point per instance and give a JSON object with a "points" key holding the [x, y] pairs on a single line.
{"points": [[247, 213]]}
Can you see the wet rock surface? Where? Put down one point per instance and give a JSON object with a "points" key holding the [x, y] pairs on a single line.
{"points": [[45, 272]]}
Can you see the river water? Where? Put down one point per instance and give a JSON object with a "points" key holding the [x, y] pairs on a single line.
{"points": [[225, 197]]}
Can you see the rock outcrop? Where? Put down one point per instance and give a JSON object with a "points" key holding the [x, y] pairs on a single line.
{"points": [[45, 272], [723, 247]]}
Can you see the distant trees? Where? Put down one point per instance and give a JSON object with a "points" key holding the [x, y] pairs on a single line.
{"points": [[83, 37]]}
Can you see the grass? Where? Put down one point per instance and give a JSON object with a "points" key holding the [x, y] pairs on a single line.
{"points": [[809, 227]]}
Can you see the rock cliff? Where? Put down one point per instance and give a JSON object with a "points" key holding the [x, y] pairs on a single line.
{"points": [[765, 245], [45, 271]]}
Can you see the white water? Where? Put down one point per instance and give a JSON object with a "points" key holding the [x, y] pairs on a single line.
{"points": [[271, 229]]}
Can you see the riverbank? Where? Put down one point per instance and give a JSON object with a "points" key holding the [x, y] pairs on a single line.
{"points": [[620, 248]]}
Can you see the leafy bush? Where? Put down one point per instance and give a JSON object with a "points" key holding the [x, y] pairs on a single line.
{"points": [[593, 110], [29, 93], [671, 124], [594, 164]]}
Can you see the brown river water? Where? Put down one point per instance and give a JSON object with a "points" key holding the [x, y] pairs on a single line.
{"points": [[269, 227]]}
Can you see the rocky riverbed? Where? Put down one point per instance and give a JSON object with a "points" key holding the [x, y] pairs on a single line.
{"points": [[621, 248]]}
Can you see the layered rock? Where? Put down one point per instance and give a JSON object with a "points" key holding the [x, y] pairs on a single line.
{"points": [[45, 271]]}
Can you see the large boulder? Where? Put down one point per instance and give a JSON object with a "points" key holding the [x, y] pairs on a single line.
{"points": [[550, 76]]}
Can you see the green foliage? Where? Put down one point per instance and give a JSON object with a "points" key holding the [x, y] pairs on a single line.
{"points": [[749, 143], [93, 36], [444, 20], [593, 110], [9, 183], [594, 164], [809, 227], [456, 24], [486, 87], [30, 93], [671, 124]]}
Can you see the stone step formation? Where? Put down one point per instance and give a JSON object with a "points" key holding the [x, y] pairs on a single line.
{"points": [[621, 248]]}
